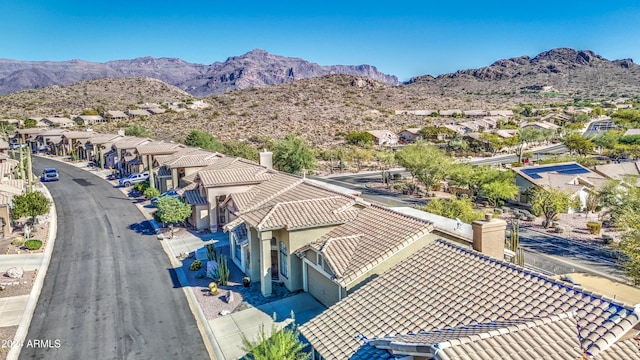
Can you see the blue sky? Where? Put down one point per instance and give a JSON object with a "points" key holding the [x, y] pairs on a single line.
{"points": [[403, 38]]}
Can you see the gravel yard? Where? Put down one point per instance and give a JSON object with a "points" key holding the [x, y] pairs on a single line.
{"points": [[243, 298]]}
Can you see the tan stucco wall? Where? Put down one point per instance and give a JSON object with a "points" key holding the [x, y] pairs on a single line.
{"points": [[322, 288], [213, 193], [395, 259], [298, 239]]}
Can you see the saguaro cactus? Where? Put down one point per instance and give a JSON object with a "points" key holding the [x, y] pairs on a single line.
{"points": [[513, 244]]}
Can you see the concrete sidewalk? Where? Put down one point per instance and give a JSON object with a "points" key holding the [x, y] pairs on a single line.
{"points": [[228, 330], [12, 309], [28, 262]]}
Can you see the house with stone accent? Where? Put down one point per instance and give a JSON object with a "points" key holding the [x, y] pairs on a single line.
{"points": [[123, 152], [74, 143], [449, 301]]}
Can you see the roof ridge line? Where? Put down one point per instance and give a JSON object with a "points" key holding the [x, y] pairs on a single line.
{"points": [[534, 322]]}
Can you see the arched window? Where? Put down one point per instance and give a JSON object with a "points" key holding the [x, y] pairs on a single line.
{"points": [[283, 260]]}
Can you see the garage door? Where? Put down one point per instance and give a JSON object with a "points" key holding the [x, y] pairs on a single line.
{"points": [[321, 288]]}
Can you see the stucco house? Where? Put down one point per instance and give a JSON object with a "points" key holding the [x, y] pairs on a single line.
{"points": [[570, 177], [410, 135], [55, 121], [308, 237], [384, 137], [88, 119]]}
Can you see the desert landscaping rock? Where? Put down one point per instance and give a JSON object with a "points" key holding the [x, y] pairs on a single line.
{"points": [[15, 272]]}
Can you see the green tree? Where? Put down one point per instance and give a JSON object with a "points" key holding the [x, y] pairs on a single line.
{"points": [[293, 154], [30, 204], [551, 202], [525, 137], [425, 162], [150, 192], [240, 149], [137, 130], [607, 140], [579, 144], [7, 130], [29, 123], [497, 191], [454, 208], [436, 134], [360, 156], [172, 210], [622, 201], [281, 344], [360, 138], [203, 140]]}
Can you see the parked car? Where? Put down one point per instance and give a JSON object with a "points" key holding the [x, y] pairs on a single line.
{"points": [[170, 193], [133, 179], [49, 174]]}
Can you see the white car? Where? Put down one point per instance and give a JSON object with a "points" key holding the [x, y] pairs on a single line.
{"points": [[134, 179]]}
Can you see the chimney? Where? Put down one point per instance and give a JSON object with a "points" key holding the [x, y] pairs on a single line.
{"points": [[489, 235], [121, 132], [266, 159]]}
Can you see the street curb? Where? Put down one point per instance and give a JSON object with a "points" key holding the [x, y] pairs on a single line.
{"points": [[34, 295], [203, 325], [210, 342]]}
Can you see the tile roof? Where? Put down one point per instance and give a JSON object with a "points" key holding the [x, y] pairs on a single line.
{"points": [[159, 147], [78, 134], [103, 138], [266, 191], [374, 236], [130, 142], [193, 160], [164, 172], [553, 337], [619, 170], [444, 285], [194, 197], [6, 167], [225, 177], [14, 186], [299, 214]]}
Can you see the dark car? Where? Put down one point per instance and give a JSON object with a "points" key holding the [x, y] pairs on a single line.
{"points": [[170, 193], [49, 174]]}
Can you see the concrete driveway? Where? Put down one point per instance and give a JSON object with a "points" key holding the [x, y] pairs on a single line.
{"points": [[228, 330]]}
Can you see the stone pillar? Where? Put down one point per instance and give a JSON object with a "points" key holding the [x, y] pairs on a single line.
{"points": [[174, 178], [265, 262], [489, 236]]}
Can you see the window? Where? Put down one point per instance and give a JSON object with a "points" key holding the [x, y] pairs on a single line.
{"points": [[283, 260]]}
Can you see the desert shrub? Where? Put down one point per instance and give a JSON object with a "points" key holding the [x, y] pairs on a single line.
{"points": [[498, 211], [150, 193], [18, 241], [559, 229], [594, 227], [141, 186], [530, 217], [196, 265], [213, 288], [33, 244]]}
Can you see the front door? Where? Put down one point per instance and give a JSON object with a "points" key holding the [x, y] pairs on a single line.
{"points": [[274, 264]]}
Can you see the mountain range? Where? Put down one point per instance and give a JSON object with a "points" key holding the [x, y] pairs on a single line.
{"points": [[256, 68], [565, 70]]}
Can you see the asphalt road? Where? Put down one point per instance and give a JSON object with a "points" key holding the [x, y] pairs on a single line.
{"points": [[109, 292]]}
